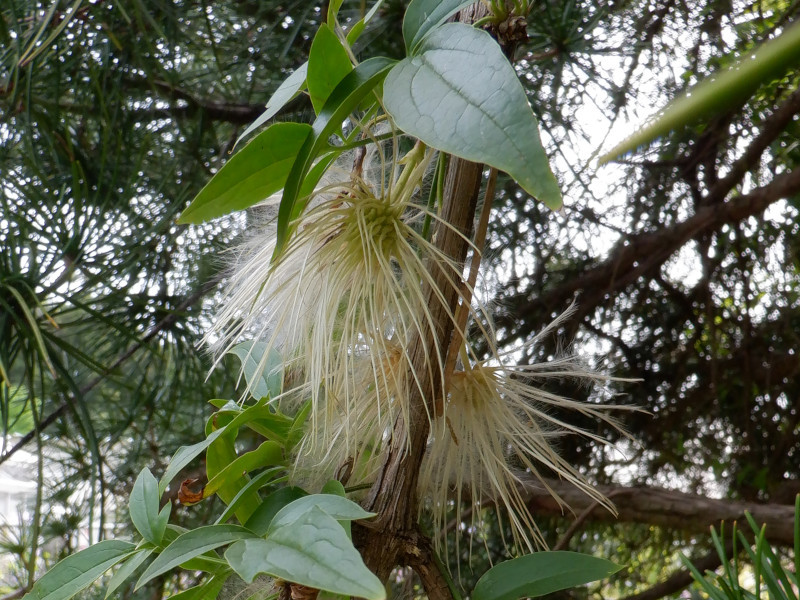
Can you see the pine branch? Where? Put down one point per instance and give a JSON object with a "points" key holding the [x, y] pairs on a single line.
{"points": [[162, 325]]}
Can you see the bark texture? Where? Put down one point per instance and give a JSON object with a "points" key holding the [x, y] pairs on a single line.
{"points": [[667, 508]]}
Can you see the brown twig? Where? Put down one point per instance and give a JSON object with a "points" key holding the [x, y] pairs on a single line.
{"points": [[577, 523], [467, 288]]}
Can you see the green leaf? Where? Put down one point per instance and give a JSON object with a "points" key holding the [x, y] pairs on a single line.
{"points": [[262, 367], [253, 174], [260, 520], [460, 95], [256, 483], [357, 29], [342, 101], [291, 86], [206, 590], [266, 421], [127, 569], [268, 454], [297, 430], [312, 551], [334, 487], [721, 92], [337, 507], [355, 32], [328, 64], [422, 16], [333, 11], [186, 454], [709, 589], [539, 574], [220, 455], [183, 456], [797, 535], [192, 544], [143, 507], [78, 571]]}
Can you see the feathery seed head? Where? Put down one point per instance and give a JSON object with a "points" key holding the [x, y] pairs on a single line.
{"points": [[496, 435], [346, 292]]}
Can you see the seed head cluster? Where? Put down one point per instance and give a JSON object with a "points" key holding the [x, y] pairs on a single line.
{"points": [[342, 303]]}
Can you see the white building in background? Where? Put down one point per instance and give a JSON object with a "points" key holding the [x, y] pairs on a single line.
{"points": [[17, 488], [17, 496]]}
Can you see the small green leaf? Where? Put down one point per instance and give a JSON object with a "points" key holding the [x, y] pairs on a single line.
{"points": [[335, 506], [422, 16], [205, 591], [251, 175], [334, 487], [460, 94], [183, 456], [192, 544], [325, 595], [355, 32], [333, 11], [298, 425], [267, 454], [328, 64], [312, 551], [256, 483], [143, 507], [260, 520], [268, 421], [357, 29], [710, 589], [719, 93], [262, 367], [220, 455], [291, 86], [342, 101], [78, 571], [539, 574], [127, 569]]}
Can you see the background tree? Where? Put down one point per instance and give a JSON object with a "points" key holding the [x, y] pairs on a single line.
{"points": [[683, 258]]}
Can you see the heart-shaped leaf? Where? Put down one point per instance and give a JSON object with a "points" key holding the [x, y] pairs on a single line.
{"points": [[337, 507], [260, 520], [459, 94], [313, 551], [423, 16]]}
